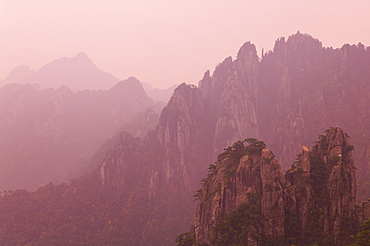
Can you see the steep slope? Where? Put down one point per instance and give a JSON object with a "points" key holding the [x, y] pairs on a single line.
{"points": [[287, 97], [49, 135], [290, 95], [143, 187], [246, 199], [309, 87], [77, 73], [232, 92]]}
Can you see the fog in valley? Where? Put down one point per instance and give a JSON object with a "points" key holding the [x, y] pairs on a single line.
{"points": [[180, 123]]}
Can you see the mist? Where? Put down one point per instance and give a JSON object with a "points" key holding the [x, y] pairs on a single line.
{"points": [[162, 123]]}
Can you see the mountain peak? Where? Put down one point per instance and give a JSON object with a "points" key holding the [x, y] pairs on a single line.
{"points": [[302, 38], [247, 51], [129, 87], [19, 73], [78, 73], [81, 56], [298, 41]]}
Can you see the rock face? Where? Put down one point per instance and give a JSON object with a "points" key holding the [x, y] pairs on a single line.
{"points": [[249, 184], [182, 132], [247, 200], [329, 196], [290, 95], [286, 98], [169, 157]]}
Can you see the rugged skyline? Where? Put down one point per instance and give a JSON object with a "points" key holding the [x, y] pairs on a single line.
{"points": [[141, 191], [166, 42]]}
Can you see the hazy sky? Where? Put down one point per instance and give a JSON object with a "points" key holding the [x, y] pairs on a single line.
{"points": [[165, 42]]}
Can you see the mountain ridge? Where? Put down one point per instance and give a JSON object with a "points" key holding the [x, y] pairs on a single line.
{"points": [[51, 134], [286, 98], [78, 73]]}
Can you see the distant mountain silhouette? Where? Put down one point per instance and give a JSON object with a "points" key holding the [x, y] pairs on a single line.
{"points": [[18, 74], [163, 95], [77, 73]]}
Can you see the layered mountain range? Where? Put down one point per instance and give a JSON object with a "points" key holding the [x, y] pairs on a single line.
{"points": [[50, 135], [141, 191], [77, 73], [287, 98], [292, 95], [53, 120]]}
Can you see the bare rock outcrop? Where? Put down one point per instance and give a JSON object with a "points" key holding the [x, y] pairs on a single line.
{"points": [[246, 199], [244, 180]]}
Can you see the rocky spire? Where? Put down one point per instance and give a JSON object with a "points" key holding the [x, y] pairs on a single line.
{"points": [[246, 199], [323, 188], [246, 184]]}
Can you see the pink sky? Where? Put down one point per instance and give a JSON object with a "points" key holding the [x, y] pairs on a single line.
{"points": [[166, 42]]}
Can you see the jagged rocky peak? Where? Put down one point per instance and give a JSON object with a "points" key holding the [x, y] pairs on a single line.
{"points": [[184, 92], [296, 41], [179, 127], [212, 86], [326, 190], [243, 69], [302, 39], [184, 104], [231, 95], [246, 68], [185, 101], [243, 194], [246, 199], [206, 82], [247, 53], [300, 51]]}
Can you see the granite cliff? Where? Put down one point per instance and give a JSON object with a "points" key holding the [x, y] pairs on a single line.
{"points": [[246, 199], [287, 97], [291, 95]]}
